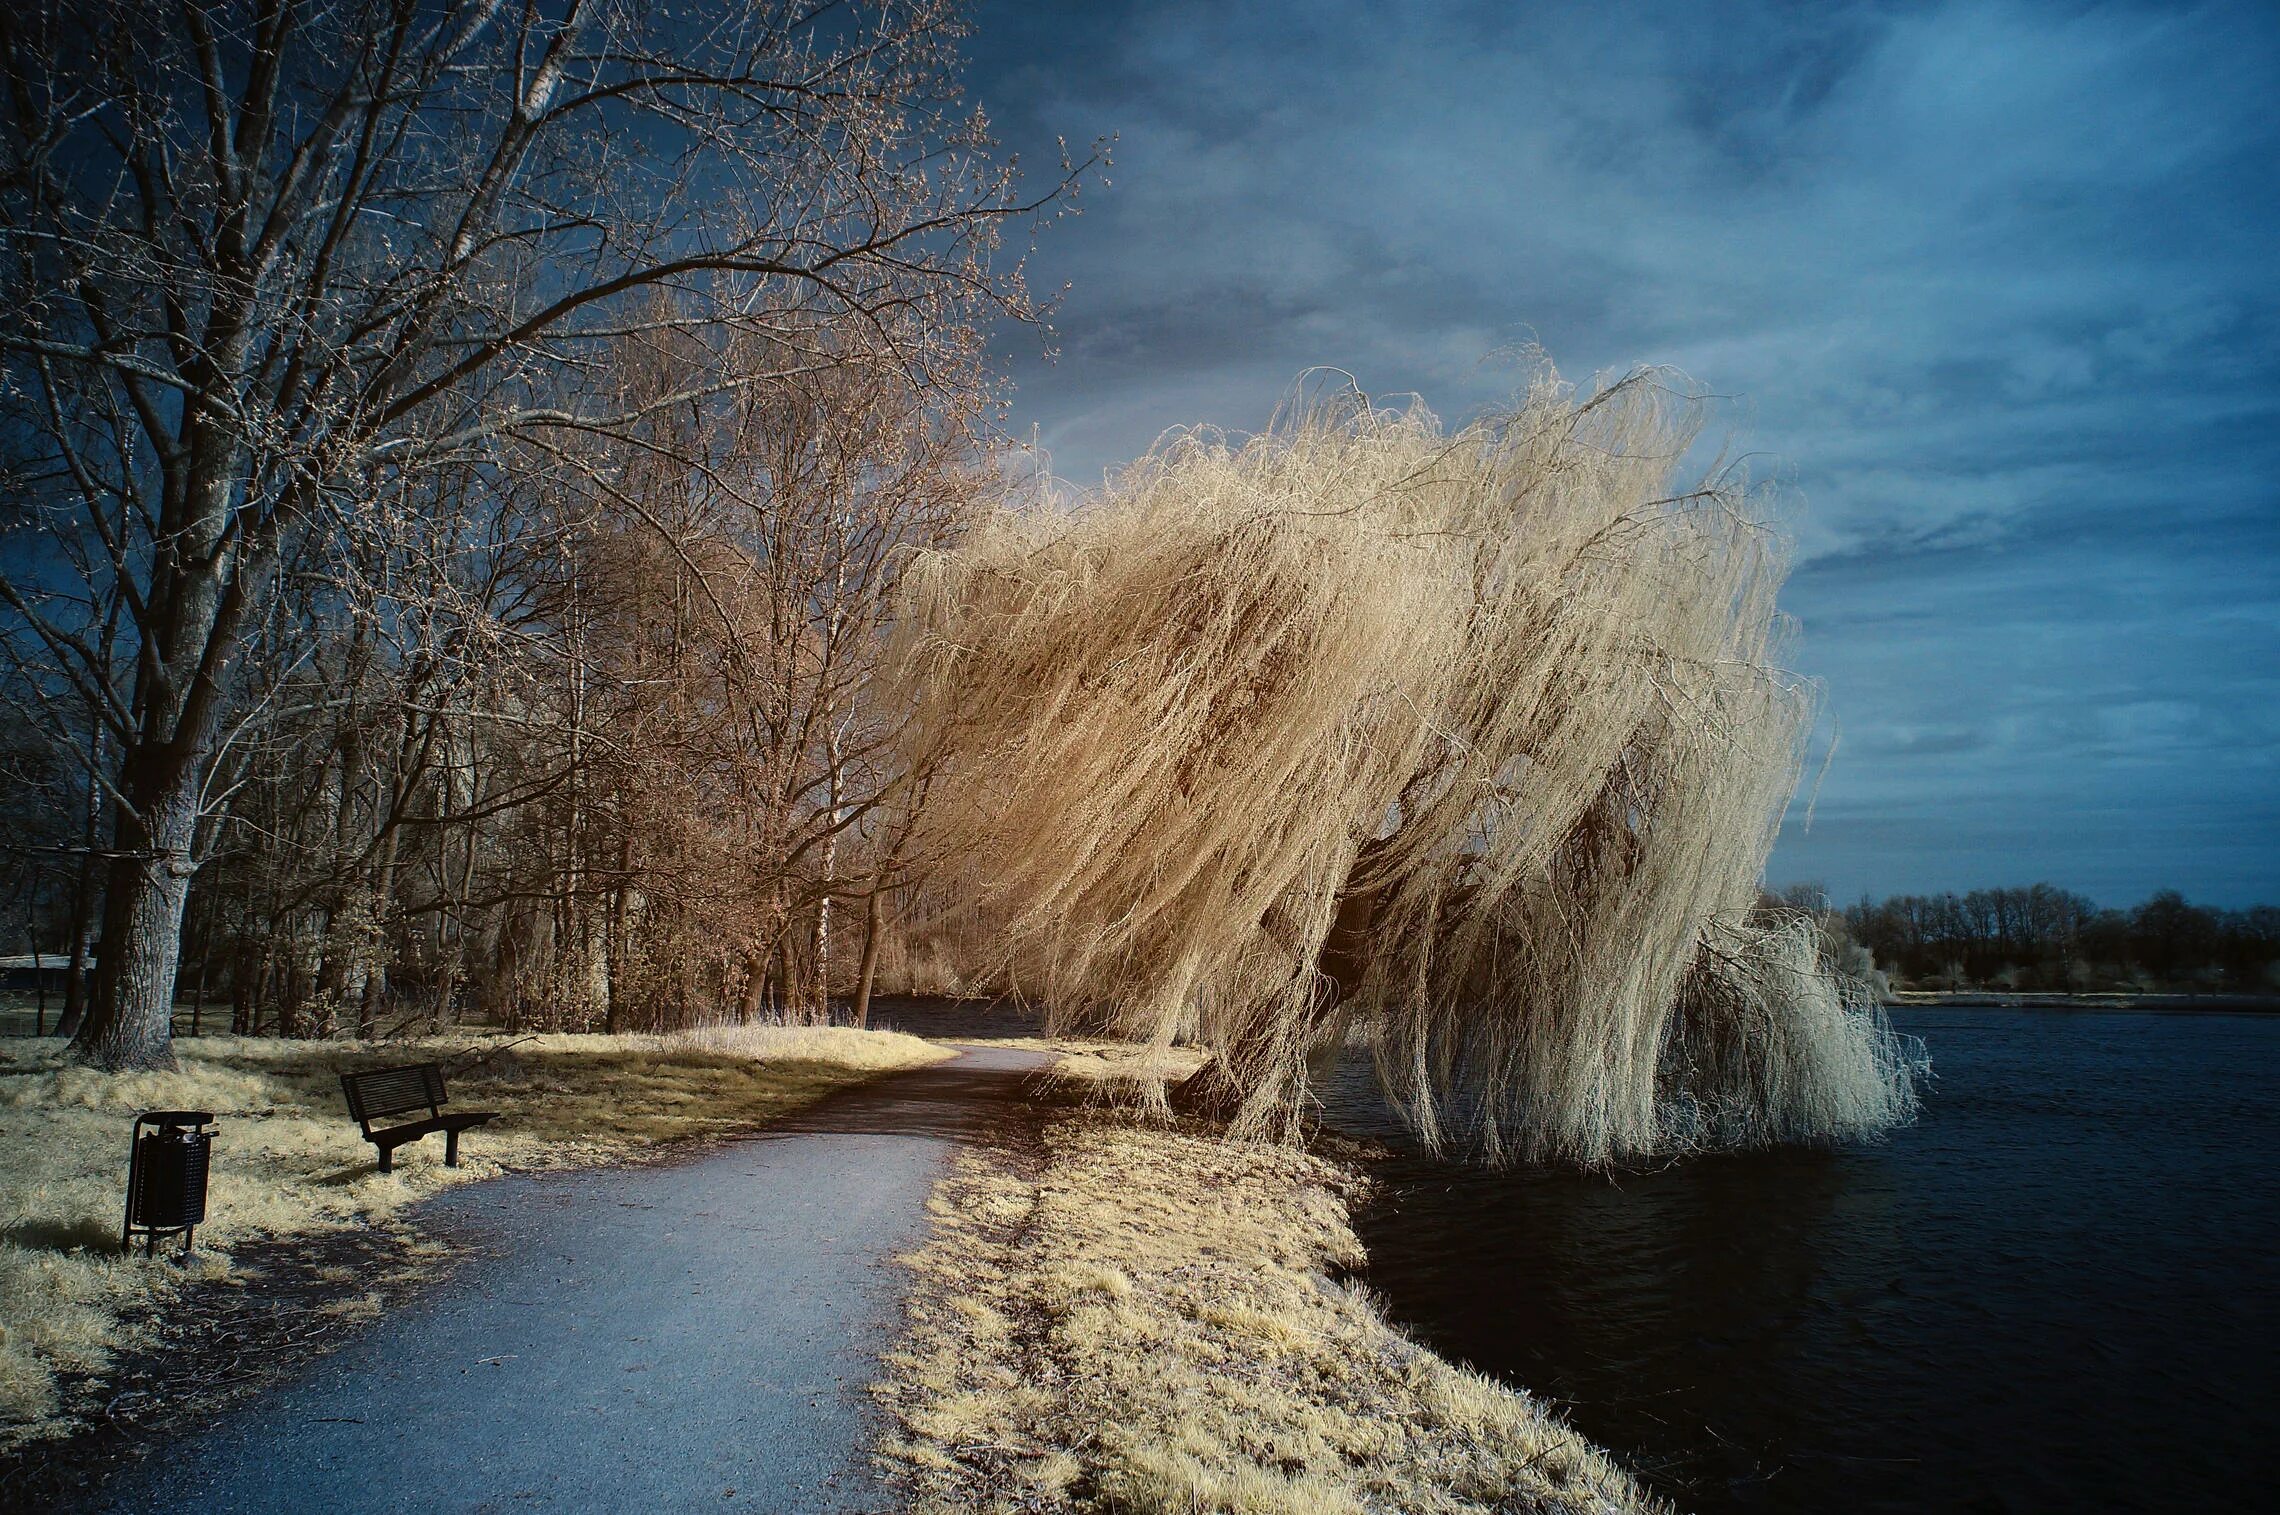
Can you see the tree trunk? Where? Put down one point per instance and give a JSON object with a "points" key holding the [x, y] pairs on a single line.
{"points": [[194, 604], [241, 985], [614, 946], [837, 815], [869, 970], [383, 902], [338, 948], [755, 985], [39, 970], [205, 962], [83, 897], [131, 1021], [787, 987], [75, 972], [1230, 1076]]}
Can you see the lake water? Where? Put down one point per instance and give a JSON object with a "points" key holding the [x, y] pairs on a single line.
{"points": [[2054, 1292]]}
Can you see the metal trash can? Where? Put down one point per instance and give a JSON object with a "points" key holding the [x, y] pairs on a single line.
{"points": [[166, 1177]]}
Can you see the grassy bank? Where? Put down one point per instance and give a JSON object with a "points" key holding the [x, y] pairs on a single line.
{"points": [[289, 1162], [1129, 1319]]}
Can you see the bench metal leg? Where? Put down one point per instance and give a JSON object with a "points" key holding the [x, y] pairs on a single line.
{"points": [[387, 1159], [451, 1149]]}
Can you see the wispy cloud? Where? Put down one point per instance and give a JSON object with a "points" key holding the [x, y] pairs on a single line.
{"points": [[1991, 282]]}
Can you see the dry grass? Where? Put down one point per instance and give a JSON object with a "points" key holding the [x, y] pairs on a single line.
{"points": [[1108, 1071], [1141, 1321], [288, 1160]]}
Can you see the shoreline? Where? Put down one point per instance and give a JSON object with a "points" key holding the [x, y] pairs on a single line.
{"points": [[2003, 999]]}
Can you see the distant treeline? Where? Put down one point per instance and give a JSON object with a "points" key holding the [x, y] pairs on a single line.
{"points": [[2044, 937]]}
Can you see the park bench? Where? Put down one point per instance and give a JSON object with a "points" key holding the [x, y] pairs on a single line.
{"points": [[380, 1094]]}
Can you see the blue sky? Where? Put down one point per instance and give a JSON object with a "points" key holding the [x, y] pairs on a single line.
{"points": [[1990, 286]]}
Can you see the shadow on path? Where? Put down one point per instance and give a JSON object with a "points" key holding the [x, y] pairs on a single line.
{"points": [[954, 1101]]}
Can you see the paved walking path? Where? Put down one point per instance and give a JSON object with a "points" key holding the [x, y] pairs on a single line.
{"points": [[693, 1335]]}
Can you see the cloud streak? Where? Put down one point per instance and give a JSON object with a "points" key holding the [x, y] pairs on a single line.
{"points": [[1990, 283]]}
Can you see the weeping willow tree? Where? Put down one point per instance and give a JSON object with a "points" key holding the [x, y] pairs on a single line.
{"points": [[1475, 740]]}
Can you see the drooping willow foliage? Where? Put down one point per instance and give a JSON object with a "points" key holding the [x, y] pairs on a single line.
{"points": [[1478, 740]]}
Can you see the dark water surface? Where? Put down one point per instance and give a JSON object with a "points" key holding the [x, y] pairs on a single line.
{"points": [[2054, 1292]]}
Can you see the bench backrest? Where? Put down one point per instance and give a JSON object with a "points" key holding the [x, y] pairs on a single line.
{"points": [[380, 1092]]}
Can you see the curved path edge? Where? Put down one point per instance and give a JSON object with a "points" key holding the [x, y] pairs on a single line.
{"points": [[693, 1333]]}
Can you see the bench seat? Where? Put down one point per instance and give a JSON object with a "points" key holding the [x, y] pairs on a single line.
{"points": [[450, 1125], [415, 1089]]}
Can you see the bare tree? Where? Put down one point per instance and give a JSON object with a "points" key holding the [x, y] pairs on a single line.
{"points": [[267, 259], [733, 583]]}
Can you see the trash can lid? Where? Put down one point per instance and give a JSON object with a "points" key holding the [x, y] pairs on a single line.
{"points": [[177, 1117]]}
